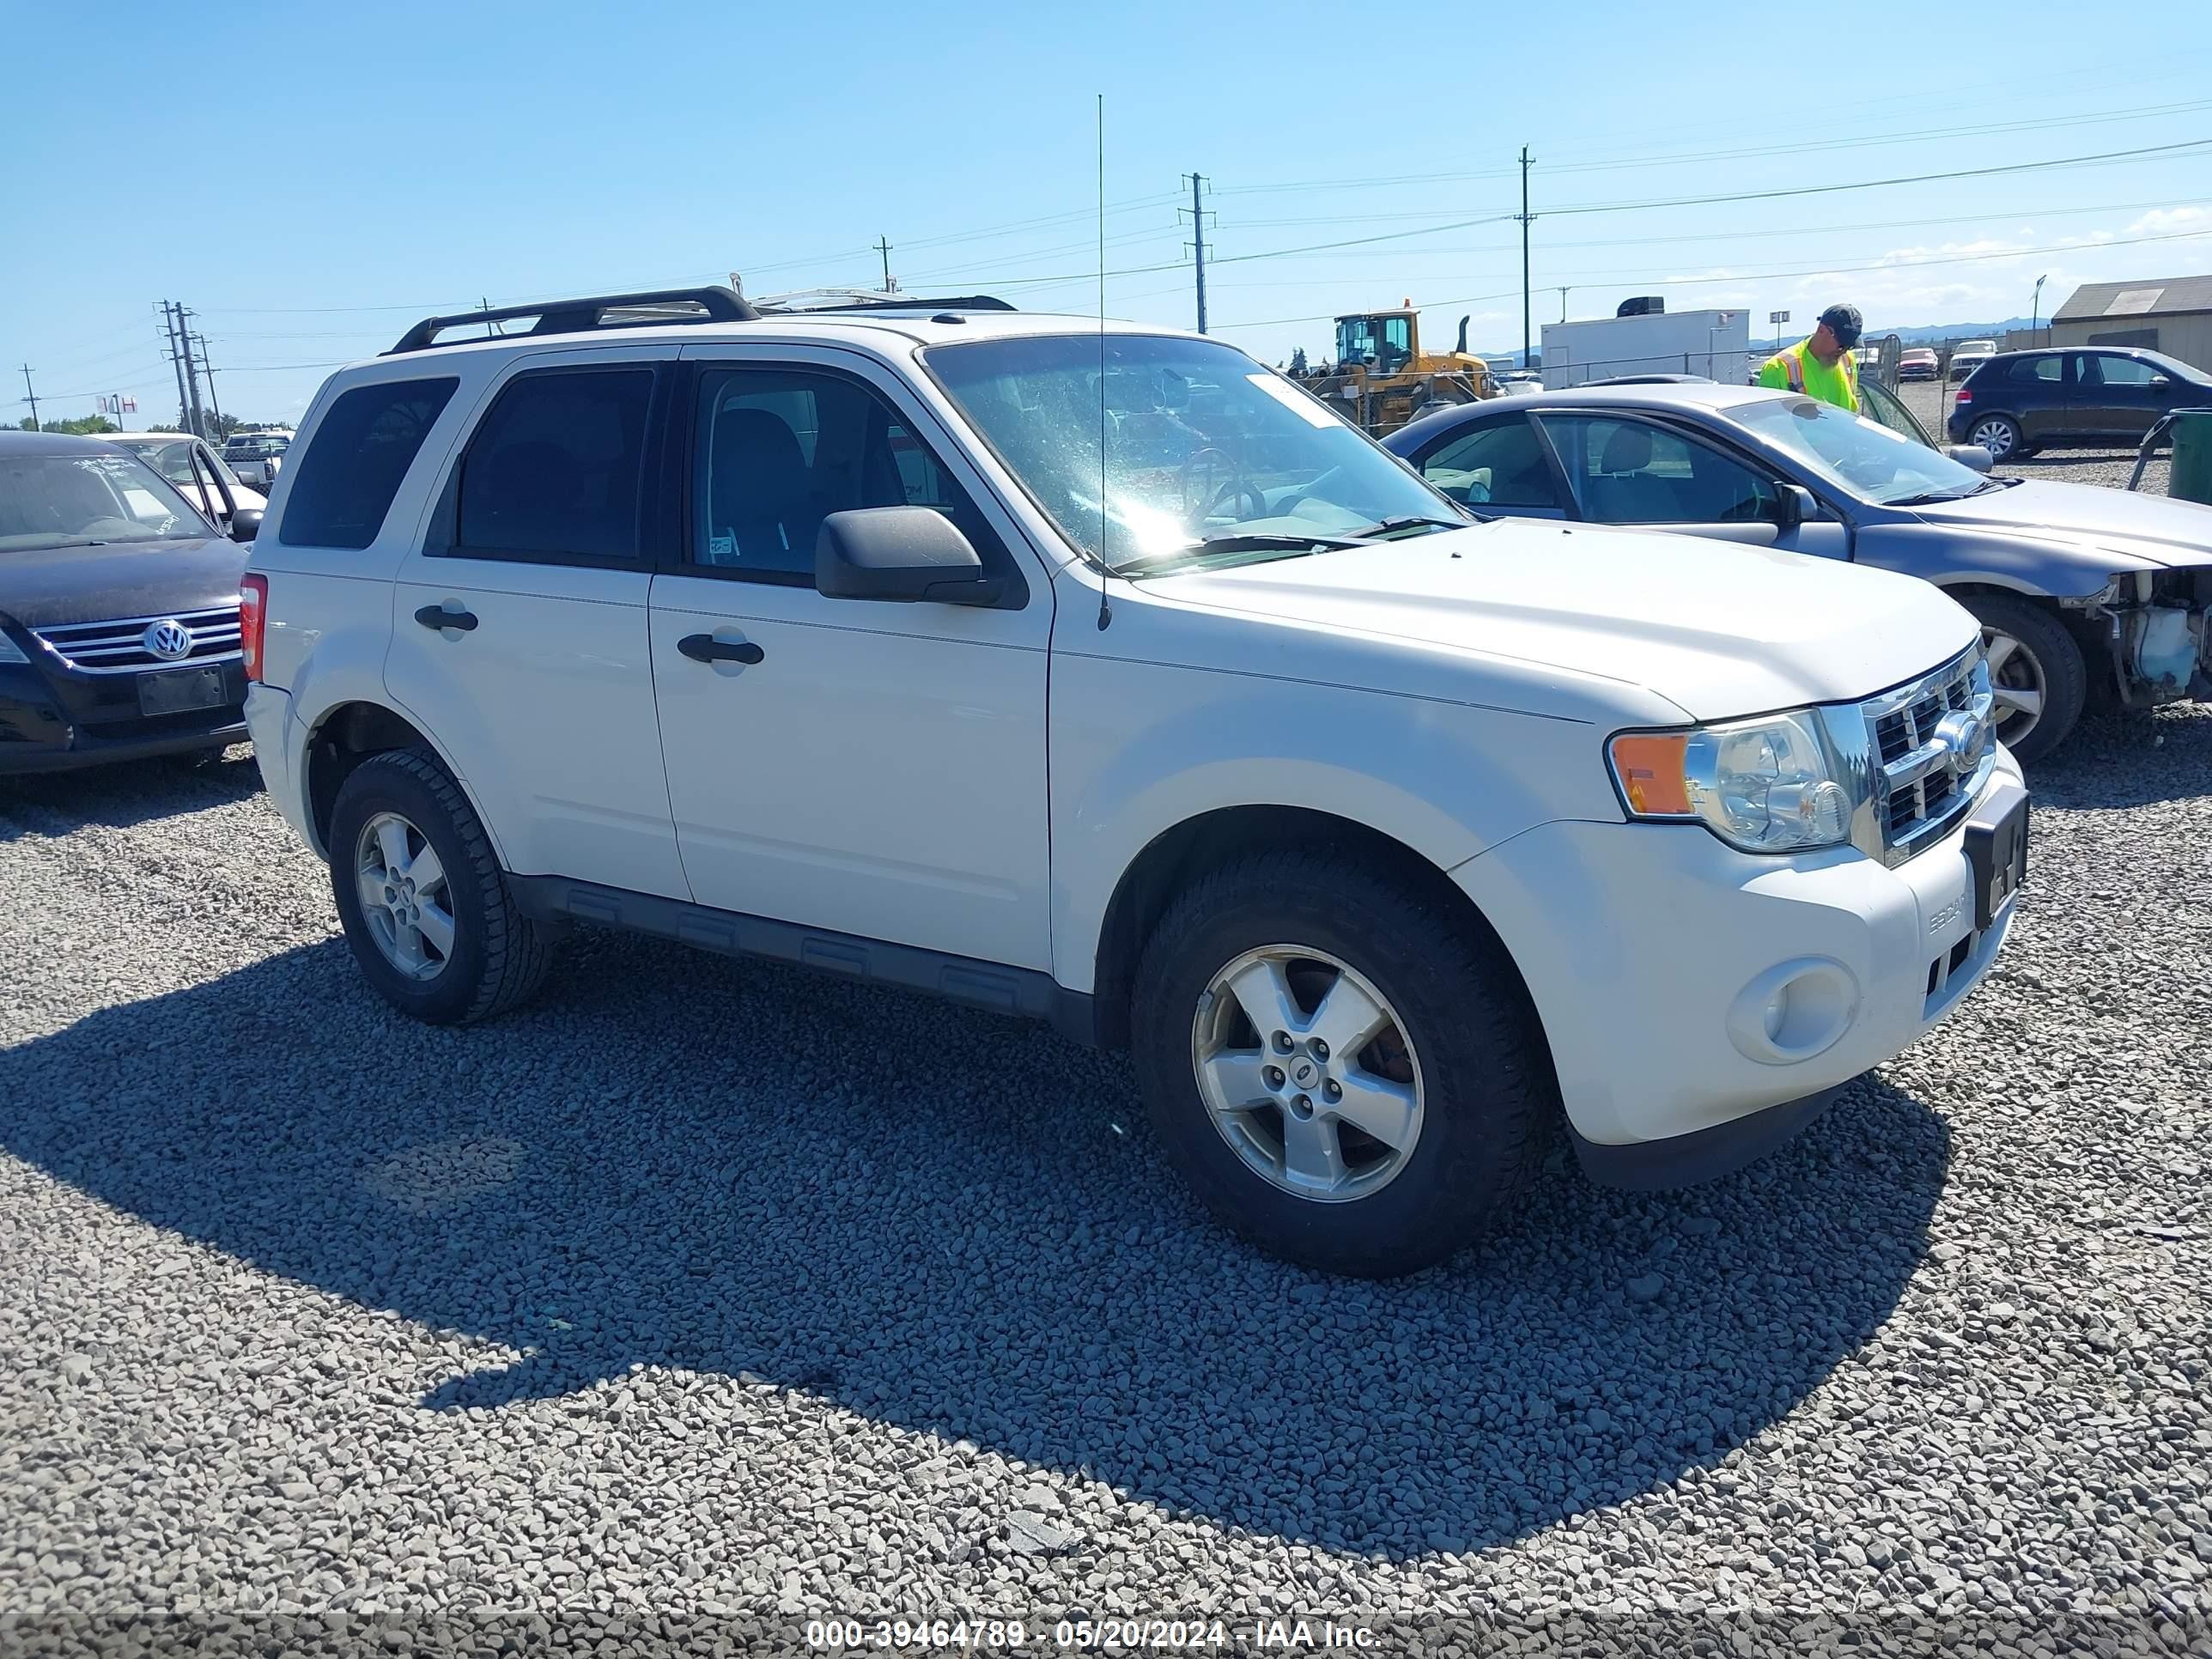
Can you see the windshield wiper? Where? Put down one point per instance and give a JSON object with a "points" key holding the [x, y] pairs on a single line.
{"points": [[1410, 521], [1235, 542]]}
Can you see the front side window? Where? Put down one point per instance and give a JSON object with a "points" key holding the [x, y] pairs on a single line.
{"points": [[344, 484], [1634, 473], [1878, 404], [88, 501], [1865, 460], [555, 467], [1502, 465], [778, 450], [2122, 371], [175, 462], [1202, 446]]}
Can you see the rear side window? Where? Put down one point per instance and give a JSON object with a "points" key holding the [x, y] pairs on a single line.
{"points": [[555, 469], [343, 482], [2035, 371]]}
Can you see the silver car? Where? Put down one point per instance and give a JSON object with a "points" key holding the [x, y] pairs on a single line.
{"points": [[2083, 594]]}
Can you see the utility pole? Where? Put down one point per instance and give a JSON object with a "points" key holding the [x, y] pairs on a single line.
{"points": [[1198, 246], [884, 247], [176, 361], [32, 397], [483, 302], [1526, 217], [1563, 305], [192, 373], [201, 339]]}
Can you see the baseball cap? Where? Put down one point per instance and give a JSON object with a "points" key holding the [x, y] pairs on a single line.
{"points": [[1844, 322]]}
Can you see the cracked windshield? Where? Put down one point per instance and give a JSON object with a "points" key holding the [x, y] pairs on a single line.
{"points": [[1209, 455]]}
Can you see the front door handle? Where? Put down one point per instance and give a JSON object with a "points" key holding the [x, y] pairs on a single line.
{"points": [[436, 616], [705, 647]]}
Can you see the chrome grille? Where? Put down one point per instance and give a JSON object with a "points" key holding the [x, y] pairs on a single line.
{"points": [[1921, 785], [119, 646]]}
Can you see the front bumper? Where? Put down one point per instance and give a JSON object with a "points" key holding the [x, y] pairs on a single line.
{"points": [[1650, 950], [86, 721]]}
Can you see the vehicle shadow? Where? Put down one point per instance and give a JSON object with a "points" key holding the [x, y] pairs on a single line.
{"points": [[127, 793], [953, 1222], [2127, 759]]}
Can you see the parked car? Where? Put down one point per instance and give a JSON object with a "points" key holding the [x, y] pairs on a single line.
{"points": [[255, 457], [1379, 835], [2019, 402], [2078, 589], [1917, 363], [118, 611], [1968, 356], [201, 477]]}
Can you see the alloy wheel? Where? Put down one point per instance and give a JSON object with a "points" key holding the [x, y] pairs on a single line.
{"points": [[1308, 1072], [2016, 683], [404, 899], [1996, 436]]}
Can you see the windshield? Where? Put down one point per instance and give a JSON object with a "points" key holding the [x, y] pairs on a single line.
{"points": [[1201, 443], [1870, 461], [84, 501], [2174, 368]]}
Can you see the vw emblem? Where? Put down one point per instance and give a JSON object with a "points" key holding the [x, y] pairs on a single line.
{"points": [[1965, 734], [167, 639]]}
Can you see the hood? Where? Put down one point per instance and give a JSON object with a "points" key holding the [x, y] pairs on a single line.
{"points": [[2155, 529], [1716, 628], [45, 588]]}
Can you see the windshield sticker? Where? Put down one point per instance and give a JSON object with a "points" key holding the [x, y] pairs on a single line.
{"points": [[1293, 399]]}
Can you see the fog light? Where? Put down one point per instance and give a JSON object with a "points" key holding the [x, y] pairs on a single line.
{"points": [[1794, 1011]]}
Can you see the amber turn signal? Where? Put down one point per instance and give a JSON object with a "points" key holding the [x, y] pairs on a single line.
{"points": [[1650, 768]]}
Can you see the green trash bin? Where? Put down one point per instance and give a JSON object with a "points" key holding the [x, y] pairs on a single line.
{"points": [[2190, 479]]}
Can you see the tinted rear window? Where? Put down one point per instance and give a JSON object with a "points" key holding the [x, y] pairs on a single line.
{"points": [[556, 464], [342, 483]]}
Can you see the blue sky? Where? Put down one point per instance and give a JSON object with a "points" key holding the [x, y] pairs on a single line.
{"points": [[310, 177]]}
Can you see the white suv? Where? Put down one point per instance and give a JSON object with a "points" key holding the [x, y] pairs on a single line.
{"points": [[1101, 676]]}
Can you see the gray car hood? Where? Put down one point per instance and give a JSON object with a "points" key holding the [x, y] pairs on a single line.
{"points": [[2155, 529]]}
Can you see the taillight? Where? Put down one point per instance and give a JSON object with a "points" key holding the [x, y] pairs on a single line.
{"points": [[1962, 396], [253, 612]]}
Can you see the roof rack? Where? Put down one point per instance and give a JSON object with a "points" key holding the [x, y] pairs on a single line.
{"points": [[811, 301], [660, 307]]}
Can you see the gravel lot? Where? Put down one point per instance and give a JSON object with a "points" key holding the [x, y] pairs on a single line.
{"points": [[702, 1299]]}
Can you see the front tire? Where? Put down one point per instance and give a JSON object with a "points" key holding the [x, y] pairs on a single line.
{"points": [[1341, 1069], [425, 906], [2035, 671]]}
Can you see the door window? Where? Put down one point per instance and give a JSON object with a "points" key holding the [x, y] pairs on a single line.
{"points": [[1500, 464], [1633, 472], [2130, 372], [2036, 371], [1879, 404], [777, 451], [554, 471], [343, 485]]}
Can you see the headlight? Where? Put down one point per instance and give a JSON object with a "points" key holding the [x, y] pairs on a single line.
{"points": [[1764, 784]]}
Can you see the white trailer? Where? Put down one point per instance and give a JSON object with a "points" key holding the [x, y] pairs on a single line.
{"points": [[1713, 343]]}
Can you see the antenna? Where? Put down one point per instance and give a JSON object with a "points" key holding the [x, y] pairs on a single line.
{"points": [[1105, 613]]}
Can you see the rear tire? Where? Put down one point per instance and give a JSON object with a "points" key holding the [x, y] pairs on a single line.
{"points": [[469, 952], [1455, 1079], [2031, 657]]}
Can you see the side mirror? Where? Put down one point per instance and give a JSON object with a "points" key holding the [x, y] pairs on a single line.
{"points": [[2159, 383], [1793, 505], [244, 523], [1971, 455], [908, 553]]}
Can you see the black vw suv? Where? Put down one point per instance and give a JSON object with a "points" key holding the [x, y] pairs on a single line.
{"points": [[118, 611]]}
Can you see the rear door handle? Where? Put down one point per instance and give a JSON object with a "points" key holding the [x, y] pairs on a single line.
{"points": [[436, 616], [705, 647]]}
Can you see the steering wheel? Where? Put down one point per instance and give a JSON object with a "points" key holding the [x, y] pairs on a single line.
{"points": [[1246, 492]]}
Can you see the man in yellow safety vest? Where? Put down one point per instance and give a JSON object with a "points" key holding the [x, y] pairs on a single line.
{"points": [[1822, 365]]}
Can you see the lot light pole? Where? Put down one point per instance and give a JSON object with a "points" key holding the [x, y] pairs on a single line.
{"points": [[1525, 217], [2035, 307]]}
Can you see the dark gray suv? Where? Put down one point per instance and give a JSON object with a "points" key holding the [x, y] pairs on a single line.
{"points": [[2101, 395]]}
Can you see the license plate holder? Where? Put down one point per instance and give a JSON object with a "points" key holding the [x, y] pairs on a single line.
{"points": [[1997, 850], [180, 692]]}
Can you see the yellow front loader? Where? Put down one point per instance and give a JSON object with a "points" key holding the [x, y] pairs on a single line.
{"points": [[1381, 379]]}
